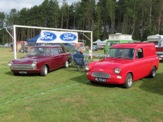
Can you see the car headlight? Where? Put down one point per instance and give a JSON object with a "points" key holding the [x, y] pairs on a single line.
{"points": [[117, 71], [10, 64], [87, 68], [34, 63]]}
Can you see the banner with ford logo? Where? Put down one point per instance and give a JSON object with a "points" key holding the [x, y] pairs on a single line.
{"points": [[57, 37]]}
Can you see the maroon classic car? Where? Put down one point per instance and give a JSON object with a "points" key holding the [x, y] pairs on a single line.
{"points": [[124, 64], [41, 60]]}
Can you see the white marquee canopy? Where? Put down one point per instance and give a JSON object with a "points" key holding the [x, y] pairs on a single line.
{"points": [[53, 29]]}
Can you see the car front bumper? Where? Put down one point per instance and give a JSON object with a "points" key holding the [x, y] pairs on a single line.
{"points": [[24, 69], [103, 78]]}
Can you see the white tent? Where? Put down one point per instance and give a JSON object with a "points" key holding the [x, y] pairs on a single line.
{"points": [[97, 41], [105, 41]]}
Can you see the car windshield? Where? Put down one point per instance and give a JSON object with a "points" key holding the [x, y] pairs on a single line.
{"points": [[127, 53], [35, 51]]}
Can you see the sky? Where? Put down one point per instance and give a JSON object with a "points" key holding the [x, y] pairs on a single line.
{"points": [[7, 5]]}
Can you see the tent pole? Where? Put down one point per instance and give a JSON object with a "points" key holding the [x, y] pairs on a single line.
{"points": [[14, 45]]}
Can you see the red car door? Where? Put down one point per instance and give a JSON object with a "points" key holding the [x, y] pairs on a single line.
{"points": [[55, 58], [139, 66], [63, 56]]}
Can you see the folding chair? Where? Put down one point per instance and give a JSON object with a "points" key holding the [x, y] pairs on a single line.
{"points": [[79, 62]]}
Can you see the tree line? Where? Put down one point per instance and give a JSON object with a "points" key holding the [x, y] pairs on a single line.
{"points": [[137, 17]]}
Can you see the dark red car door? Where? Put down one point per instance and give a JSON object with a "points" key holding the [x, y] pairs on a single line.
{"points": [[55, 58]]}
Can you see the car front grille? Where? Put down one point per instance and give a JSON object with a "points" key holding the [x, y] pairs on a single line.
{"points": [[21, 67], [100, 75]]}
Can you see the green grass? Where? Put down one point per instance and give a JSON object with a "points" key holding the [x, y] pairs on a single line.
{"points": [[65, 95]]}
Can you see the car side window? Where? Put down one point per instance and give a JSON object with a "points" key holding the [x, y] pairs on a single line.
{"points": [[47, 51], [55, 51], [60, 50], [139, 53]]}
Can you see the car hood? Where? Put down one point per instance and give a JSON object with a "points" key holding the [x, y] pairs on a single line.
{"points": [[110, 64], [29, 59]]}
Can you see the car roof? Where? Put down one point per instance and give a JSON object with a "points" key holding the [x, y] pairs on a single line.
{"points": [[133, 45], [48, 46]]}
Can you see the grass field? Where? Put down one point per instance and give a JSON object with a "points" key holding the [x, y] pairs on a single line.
{"points": [[65, 95]]}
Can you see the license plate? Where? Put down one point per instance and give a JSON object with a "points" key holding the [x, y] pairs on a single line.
{"points": [[100, 79], [22, 72]]}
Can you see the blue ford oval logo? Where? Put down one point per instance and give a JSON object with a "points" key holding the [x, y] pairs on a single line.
{"points": [[68, 37], [48, 36]]}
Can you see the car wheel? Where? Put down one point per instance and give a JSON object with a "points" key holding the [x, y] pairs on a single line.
{"points": [[129, 80], [44, 70], [153, 72], [66, 64]]}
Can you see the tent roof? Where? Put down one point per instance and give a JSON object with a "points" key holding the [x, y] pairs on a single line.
{"points": [[34, 39], [105, 41], [97, 41]]}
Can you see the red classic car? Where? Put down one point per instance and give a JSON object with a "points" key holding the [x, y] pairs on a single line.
{"points": [[124, 64], [41, 60]]}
